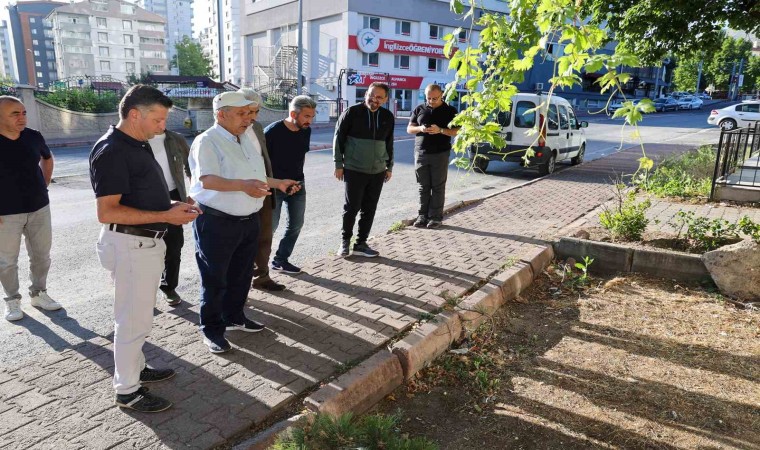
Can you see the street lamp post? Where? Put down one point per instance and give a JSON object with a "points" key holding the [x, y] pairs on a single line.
{"points": [[300, 47]]}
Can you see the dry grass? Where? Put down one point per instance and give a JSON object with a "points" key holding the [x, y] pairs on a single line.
{"points": [[630, 362]]}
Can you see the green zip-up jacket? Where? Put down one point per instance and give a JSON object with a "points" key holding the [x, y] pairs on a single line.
{"points": [[364, 140]]}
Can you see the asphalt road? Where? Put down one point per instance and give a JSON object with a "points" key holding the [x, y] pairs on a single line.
{"points": [[78, 282]]}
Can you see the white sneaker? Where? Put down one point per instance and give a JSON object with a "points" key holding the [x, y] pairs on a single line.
{"points": [[42, 300], [13, 310]]}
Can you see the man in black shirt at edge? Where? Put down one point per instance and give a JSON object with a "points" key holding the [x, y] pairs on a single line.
{"points": [[134, 207], [26, 168], [429, 122]]}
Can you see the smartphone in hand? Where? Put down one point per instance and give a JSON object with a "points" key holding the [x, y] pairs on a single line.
{"points": [[291, 188]]}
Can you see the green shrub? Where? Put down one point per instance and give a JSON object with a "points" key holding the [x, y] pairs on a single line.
{"points": [[83, 100], [627, 219], [686, 175], [325, 432], [703, 234]]}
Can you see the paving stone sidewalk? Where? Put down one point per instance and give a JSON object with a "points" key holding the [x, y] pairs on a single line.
{"points": [[336, 313]]}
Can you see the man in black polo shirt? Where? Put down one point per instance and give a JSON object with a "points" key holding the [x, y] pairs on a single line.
{"points": [[134, 205], [26, 167], [432, 145]]}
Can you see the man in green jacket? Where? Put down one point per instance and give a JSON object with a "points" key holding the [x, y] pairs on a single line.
{"points": [[363, 155], [171, 151]]}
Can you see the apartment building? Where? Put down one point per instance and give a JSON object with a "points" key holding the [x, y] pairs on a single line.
{"points": [[179, 21], [33, 42], [108, 38], [396, 41], [7, 68], [219, 34]]}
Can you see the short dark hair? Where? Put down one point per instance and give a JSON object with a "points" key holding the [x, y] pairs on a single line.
{"points": [[383, 86], [144, 96]]}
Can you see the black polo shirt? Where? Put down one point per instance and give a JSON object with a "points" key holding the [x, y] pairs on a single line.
{"points": [[425, 115], [287, 150], [120, 164], [21, 180]]}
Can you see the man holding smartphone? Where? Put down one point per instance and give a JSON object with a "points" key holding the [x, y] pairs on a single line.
{"points": [[429, 122], [288, 142]]}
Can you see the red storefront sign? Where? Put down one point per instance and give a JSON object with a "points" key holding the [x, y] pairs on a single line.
{"points": [[394, 81], [403, 48]]}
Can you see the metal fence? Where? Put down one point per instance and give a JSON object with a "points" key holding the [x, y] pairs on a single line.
{"points": [[738, 161]]}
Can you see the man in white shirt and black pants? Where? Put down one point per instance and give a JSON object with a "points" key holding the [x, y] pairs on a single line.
{"points": [[229, 183], [171, 152]]}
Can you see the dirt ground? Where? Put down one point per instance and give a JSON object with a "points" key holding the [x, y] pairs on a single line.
{"points": [[634, 363]]}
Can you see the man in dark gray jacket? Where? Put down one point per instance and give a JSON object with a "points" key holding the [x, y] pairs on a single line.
{"points": [[363, 155], [171, 151]]}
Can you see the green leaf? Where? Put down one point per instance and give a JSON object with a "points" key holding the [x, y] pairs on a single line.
{"points": [[457, 6]]}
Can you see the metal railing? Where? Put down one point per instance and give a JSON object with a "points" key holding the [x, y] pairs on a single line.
{"points": [[738, 159]]}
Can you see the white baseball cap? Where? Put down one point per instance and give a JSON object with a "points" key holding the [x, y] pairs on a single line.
{"points": [[230, 99]]}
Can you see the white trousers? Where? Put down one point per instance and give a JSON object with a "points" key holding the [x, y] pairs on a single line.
{"points": [[135, 264]]}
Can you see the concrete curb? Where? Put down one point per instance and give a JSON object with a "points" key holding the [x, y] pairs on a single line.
{"points": [[418, 349], [613, 258], [360, 388], [268, 437]]}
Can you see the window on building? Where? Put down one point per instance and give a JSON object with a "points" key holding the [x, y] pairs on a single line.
{"points": [[39, 74], [34, 31], [360, 93], [101, 22], [38, 63], [32, 20], [435, 32], [401, 61], [127, 9], [126, 24], [129, 53], [372, 22], [130, 67], [51, 66], [104, 51], [36, 53], [50, 55], [403, 99], [35, 42], [403, 27], [435, 65], [105, 65], [129, 39], [463, 36], [370, 59], [102, 37]]}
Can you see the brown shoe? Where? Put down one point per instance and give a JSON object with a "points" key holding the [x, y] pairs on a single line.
{"points": [[269, 285]]}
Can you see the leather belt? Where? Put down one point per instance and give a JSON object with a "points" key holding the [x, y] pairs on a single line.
{"points": [[215, 212], [136, 231]]}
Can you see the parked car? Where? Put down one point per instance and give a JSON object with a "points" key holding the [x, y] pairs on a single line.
{"points": [[521, 127], [617, 104], [705, 96], [665, 104], [690, 102], [742, 115]]}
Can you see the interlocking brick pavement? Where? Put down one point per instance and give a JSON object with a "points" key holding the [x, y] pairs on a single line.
{"points": [[337, 313]]}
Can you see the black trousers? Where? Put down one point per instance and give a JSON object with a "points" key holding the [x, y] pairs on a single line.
{"points": [[432, 170], [174, 239], [362, 194]]}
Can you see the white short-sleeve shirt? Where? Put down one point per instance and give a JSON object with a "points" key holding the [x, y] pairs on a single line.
{"points": [[218, 152]]}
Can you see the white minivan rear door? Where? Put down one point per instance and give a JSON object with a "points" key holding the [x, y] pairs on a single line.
{"points": [[576, 133]]}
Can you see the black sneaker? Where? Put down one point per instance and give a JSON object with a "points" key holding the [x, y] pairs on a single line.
{"points": [[345, 248], [248, 325], [364, 250], [269, 285], [285, 267], [172, 298], [421, 222], [150, 375], [143, 401], [434, 224], [217, 345]]}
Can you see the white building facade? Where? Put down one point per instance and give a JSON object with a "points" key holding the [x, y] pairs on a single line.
{"points": [[219, 34], [347, 44], [7, 64], [108, 38], [179, 21]]}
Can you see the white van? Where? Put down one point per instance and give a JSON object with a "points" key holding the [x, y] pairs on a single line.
{"points": [[564, 137]]}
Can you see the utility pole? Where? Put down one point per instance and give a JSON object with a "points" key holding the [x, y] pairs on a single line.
{"points": [[699, 78], [300, 47], [731, 82], [738, 78]]}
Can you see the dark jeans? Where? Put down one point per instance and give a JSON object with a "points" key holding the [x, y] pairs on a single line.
{"points": [[432, 170], [296, 205], [224, 250], [174, 239], [362, 194]]}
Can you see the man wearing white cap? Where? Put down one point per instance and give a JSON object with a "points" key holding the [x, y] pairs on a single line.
{"points": [[229, 183]]}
